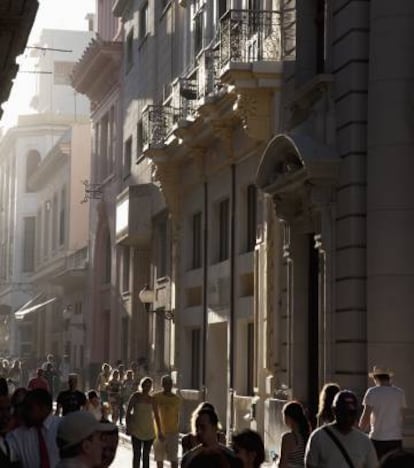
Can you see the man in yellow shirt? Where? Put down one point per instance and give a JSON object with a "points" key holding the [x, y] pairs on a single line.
{"points": [[166, 442]]}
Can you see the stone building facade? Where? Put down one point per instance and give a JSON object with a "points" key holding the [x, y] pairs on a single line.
{"points": [[263, 199]]}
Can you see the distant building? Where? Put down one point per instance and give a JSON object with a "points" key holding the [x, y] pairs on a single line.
{"points": [[22, 150], [99, 75]]}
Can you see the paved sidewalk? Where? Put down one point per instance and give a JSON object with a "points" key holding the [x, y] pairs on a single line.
{"points": [[124, 454]]}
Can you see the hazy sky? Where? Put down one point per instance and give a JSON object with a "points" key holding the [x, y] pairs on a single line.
{"points": [[56, 14]]}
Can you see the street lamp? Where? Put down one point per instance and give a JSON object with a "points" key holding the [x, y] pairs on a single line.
{"points": [[146, 296]]}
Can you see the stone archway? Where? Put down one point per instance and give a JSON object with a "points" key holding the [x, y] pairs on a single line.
{"points": [[299, 174]]}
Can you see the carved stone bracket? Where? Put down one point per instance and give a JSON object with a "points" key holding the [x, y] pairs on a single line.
{"points": [[167, 174], [198, 154], [254, 107], [223, 130]]}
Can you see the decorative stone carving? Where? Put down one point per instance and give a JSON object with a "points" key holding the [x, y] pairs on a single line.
{"points": [[253, 106], [167, 174]]}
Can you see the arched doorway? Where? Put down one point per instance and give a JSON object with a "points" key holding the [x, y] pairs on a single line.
{"points": [[300, 176]]}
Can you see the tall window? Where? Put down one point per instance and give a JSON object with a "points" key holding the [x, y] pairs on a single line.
{"points": [[162, 257], [140, 135], [129, 54], [222, 7], [55, 214], [111, 140], [224, 231], [251, 217], [198, 28], [104, 147], [29, 224], [32, 163], [127, 157], [143, 21], [195, 358], [62, 217], [320, 35], [46, 234], [62, 72], [125, 268], [38, 251], [108, 260], [196, 232], [250, 359]]}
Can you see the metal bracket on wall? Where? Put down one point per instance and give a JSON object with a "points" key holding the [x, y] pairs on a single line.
{"points": [[92, 191]]}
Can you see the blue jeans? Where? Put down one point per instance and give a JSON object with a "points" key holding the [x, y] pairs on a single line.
{"points": [[137, 445]]}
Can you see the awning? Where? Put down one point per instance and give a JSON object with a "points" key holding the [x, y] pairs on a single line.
{"points": [[34, 304]]}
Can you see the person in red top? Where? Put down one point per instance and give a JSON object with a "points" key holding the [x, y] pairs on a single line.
{"points": [[39, 381]]}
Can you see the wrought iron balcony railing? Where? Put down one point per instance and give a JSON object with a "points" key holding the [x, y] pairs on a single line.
{"points": [[157, 123], [250, 36]]}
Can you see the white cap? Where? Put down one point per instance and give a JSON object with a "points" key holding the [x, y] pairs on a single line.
{"points": [[78, 426]]}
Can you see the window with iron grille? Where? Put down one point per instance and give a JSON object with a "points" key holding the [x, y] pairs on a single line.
{"points": [[251, 217]]}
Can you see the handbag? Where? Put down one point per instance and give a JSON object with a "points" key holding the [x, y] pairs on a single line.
{"points": [[340, 446]]}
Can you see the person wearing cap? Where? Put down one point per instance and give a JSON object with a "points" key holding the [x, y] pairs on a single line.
{"points": [[79, 438], [340, 444], [382, 414]]}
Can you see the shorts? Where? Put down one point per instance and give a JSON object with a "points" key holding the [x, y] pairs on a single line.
{"points": [[166, 449]]}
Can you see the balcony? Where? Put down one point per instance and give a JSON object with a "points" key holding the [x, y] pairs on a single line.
{"points": [[158, 122], [250, 36]]}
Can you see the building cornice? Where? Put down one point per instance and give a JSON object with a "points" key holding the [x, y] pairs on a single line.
{"points": [[98, 71]]}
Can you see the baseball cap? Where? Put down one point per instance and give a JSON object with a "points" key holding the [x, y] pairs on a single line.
{"points": [[345, 400], [78, 426]]}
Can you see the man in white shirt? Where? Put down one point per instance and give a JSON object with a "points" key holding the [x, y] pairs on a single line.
{"points": [[34, 444], [323, 448], [79, 438], [382, 414]]}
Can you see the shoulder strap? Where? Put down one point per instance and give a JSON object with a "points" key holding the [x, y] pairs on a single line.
{"points": [[340, 446]]}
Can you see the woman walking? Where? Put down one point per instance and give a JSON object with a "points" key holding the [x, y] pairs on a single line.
{"points": [[102, 381], [326, 397], [140, 415], [114, 395], [292, 451]]}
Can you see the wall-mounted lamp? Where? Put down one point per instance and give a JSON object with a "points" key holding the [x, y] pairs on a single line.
{"points": [[146, 296]]}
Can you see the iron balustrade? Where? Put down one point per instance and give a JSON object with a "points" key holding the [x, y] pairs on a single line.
{"points": [[250, 36], [157, 123]]}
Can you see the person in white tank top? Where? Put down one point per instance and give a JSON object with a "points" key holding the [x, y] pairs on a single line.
{"points": [[382, 414]]}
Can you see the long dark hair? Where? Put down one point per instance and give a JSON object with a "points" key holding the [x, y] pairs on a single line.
{"points": [[295, 411], [326, 397]]}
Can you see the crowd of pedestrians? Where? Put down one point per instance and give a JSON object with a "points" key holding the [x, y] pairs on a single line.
{"points": [[51, 423]]}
